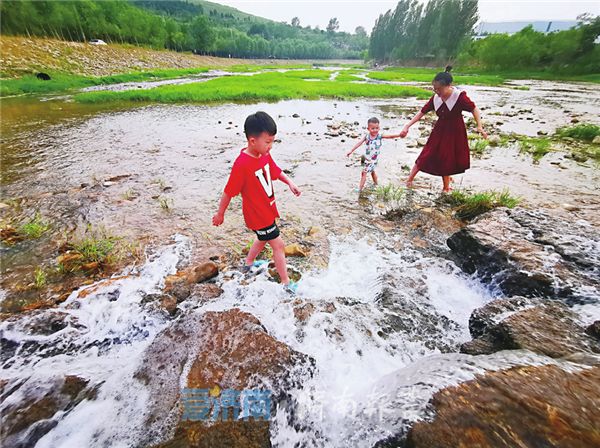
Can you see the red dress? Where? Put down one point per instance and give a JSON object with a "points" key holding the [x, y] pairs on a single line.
{"points": [[447, 149]]}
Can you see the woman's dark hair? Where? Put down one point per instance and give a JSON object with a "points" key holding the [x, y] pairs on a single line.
{"points": [[258, 123], [444, 78]]}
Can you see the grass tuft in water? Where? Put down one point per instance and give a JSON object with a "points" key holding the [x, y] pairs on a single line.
{"points": [[582, 131], [389, 192], [35, 228], [40, 278], [96, 247], [536, 147], [470, 205]]}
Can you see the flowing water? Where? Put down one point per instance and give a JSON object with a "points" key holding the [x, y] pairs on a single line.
{"points": [[400, 311]]}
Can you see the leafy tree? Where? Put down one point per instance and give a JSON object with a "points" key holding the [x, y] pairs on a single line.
{"points": [[333, 25]]}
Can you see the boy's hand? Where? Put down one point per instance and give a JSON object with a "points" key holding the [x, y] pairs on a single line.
{"points": [[218, 219], [404, 132], [294, 189]]}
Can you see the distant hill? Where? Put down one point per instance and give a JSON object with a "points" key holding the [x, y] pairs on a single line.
{"points": [[513, 27]]}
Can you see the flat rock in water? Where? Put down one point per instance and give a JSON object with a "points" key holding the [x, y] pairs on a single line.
{"points": [[520, 407], [548, 328], [532, 253]]}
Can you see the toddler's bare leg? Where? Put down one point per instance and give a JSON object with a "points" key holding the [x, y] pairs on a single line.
{"points": [[257, 246], [279, 258], [363, 180], [374, 176]]}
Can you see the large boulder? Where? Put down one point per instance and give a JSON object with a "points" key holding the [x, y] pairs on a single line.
{"points": [[548, 328], [526, 407], [532, 253], [218, 351]]}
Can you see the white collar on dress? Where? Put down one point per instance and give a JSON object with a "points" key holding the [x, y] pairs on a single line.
{"points": [[450, 102]]}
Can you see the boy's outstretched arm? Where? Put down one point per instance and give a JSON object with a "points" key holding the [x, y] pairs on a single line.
{"points": [[219, 217], [399, 134], [416, 118], [360, 142], [286, 180]]}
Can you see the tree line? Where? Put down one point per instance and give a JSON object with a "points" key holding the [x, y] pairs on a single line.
{"points": [[179, 26], [442, 31]]}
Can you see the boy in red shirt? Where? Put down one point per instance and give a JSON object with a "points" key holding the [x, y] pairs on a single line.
{"points": [[252, 175]]}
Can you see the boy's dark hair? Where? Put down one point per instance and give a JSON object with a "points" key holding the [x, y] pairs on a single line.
{"points": [[444, 78], [373, 120], [258, 123]]}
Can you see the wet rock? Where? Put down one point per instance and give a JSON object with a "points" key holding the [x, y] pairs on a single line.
{"points": [[494, 140], [313, 230], [37, 412], [178, 286], [168, 303], [208, 291], [516, 323], [70, 260], [493, 312], [421, 141], [303, 311], [523, 406], [594, 329], [203, 272], [226, 350], [579, 157], [528, 253], [571, 207], [294, 250], [10, 235], [596, 140], [295, 116]]}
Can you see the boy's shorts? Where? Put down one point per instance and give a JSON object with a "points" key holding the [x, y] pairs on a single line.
{"points": [[268, 233]]}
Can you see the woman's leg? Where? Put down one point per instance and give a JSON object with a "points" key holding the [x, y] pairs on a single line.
{"points": [[411, 176], [446, 183]]}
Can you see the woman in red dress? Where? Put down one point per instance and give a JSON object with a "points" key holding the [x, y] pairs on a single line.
{"points": [[447, 149]]}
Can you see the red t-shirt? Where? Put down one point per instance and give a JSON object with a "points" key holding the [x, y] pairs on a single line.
{"points": [[253, 177]]}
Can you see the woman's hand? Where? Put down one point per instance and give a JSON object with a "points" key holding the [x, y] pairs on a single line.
{"points": [[482, 132], [404, 132]]}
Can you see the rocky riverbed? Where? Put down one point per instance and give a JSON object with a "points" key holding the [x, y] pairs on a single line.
{"points": [[408, 323]]}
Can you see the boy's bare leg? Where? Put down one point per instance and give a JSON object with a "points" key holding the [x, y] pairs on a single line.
{"points": [[374, 176], [446, 183], [363, 180], [278, 247], [411, 176], [257, 246]]}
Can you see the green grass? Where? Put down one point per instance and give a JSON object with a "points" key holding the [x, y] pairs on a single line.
{"points": [[260, 87], [347, 76], [389, 192], [96, 248], [247, 68], [536, 147], [581, 131], [39, 278], [61, 82], [408, 74], [469, 205], [478, 146], [34, 228]]}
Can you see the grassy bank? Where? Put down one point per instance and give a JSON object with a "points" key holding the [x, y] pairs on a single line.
{"points": [[62, 82], [412, 74], [260, 87]]}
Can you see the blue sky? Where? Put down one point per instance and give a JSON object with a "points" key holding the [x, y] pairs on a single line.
{"points": [[364, 13]]}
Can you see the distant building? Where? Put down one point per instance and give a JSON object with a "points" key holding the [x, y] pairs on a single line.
{"points": [[485, 28]]}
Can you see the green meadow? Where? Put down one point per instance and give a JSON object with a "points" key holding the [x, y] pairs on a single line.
{"points": [[306, 84]]}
